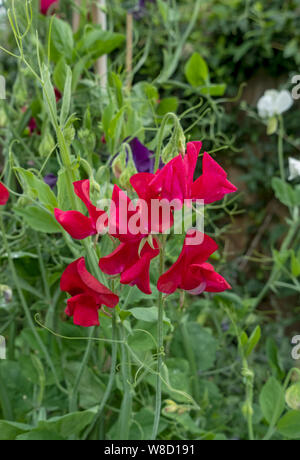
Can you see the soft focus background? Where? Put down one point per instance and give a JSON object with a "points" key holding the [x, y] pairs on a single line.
{"points": [[209, 62]]}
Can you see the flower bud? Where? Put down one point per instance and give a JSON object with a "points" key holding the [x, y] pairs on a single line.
{"points": [[119, 164]]}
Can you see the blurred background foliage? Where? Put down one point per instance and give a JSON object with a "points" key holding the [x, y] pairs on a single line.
{"points": [[209, 62]]}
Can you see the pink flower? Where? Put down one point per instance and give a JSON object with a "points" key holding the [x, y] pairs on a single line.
{"points": [[77, 224], [191, 272], [88, 294]]}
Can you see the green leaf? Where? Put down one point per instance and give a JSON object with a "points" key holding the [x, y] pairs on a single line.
{"points": [[166, 105], [67, 425], [295, 264], [61, 39], [149, 314], [200, 341], [10, 430], [253, 341], [272, 400], [292, 396], [40, 435], [214, 89], [284, 192], [289, 425], [39, 219], [59, 74], [66, 103], [143, 426], [49, 96], [97, 42], [37, 188], [196, 70]]}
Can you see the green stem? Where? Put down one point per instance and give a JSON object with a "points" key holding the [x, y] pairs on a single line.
{"points": [[111, 379], [280, 148], [26, 308], [126, 407], [74, 396], [249, 397], [276, 270], [160, 348]]}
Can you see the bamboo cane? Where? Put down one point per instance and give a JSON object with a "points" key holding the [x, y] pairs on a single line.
{"points": [[99, 17], [76, 16]]}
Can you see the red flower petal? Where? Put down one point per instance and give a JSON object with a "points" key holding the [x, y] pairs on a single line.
{"points": [[77, 280], [179, 276], [213, 184], [134, 269], [84, 310], [4, 194], [213, 281], [76, 224], [82, 190]]}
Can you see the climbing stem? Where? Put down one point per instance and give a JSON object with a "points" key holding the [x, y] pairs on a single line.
{"points": [[126, 407], [160, 345]]}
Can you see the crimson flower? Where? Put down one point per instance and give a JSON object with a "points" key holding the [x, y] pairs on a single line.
{"points": [[88, 294], [191, 272], [133, 267], [4, 194], [175, 180], [45, 5], [77, 224]]}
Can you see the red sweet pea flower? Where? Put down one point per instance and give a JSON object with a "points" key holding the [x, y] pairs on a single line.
{"points": [[133, 221], [4, 194], [45, 5], [123, 211], [77, 224], [88, 294], [191, 272], [175, 179], [213, 184], [133, 267]]}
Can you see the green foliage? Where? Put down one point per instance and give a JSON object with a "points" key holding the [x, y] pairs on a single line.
{"points": [[226, 357]]}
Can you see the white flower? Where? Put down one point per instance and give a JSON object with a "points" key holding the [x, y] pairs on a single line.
{"points": [[294, 166], [274, 102]]}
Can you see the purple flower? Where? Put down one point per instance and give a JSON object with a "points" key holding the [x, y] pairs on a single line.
{"points": [[142, 157], [139, 10], [50, 180]]}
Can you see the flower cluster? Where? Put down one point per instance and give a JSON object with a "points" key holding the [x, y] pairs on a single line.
{"points": [[136, 249]]}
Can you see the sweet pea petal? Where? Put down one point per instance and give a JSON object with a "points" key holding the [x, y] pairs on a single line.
{"points": [[82, 190], [4, 194], [76, 224], [84, 310], [213, 281], [213, 184]]}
